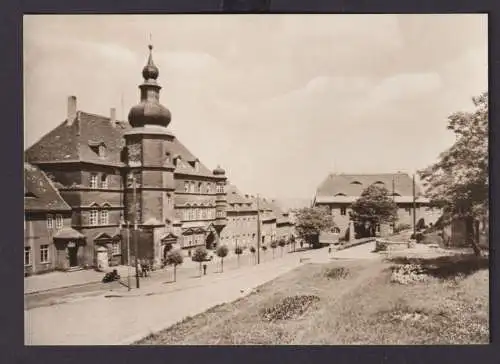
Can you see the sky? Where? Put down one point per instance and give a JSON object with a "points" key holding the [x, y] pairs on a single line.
{"points": [[279, 101]]}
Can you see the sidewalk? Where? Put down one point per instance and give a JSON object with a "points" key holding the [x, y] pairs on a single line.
{"points": [[57, 280]]}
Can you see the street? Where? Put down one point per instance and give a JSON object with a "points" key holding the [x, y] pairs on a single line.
{"points": [[121, 317]]}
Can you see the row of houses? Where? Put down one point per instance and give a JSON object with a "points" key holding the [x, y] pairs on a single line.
{"points": [[93, 179]]}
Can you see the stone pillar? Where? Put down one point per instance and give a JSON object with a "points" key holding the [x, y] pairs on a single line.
{"points": [[352, 233]]}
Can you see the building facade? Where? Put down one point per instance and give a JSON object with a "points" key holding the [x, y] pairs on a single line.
{"points": [[129, 188], [338, 191]]}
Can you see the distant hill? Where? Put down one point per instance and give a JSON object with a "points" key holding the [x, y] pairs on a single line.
{"points": [[293, 203]]}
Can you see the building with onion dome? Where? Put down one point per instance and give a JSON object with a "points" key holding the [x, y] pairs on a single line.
{"points": [[95, 161]]}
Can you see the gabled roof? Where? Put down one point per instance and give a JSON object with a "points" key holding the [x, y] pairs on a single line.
{"points": [[40, 193], [355, 184], [77, 142]]}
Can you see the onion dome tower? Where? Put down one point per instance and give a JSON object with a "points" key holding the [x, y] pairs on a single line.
{"points": [[148, 159], [149, 111]]}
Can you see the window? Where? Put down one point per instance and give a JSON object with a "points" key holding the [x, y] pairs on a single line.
{"points": [[192, 187], [199, 187], [343, 211], [116, 248], [27, 255], [102, 151], [59, 221], [220, 188], [104, 217], [50, 221], [192, 214], [209, 188], [199, 214], [104, 181], [44, 253], [93, 180], [93, 216], [186, 186], [204, 214]]}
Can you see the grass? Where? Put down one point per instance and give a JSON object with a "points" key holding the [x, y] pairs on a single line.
{"points": [[354, 303]]}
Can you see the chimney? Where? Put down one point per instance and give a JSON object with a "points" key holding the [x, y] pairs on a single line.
{"points": [[112, 117], [71, 117]]}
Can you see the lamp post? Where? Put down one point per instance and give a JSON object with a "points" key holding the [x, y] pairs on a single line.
{"points": [[414, 209]]}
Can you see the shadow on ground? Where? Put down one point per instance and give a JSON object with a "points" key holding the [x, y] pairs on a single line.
{"points": [[447, 266]]}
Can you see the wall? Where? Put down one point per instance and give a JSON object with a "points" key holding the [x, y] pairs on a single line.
{"points": [[241, 229], [36, 233]]}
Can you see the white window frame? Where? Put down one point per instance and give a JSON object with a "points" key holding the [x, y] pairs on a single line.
{"points": [[94, 181], [59, 222], [94, 217], [44, 249], [116, 248], [104, 217], [50, 221], [27, 249]]}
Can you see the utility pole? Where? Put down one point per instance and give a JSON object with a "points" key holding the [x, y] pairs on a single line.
{"points": [[258, 230], [134, 187], [414, 208], [128, 255]]}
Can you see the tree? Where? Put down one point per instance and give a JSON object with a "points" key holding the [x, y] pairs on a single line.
{"points": [[293, 242], [374, 207], [274, 245], [282, 244], [458, 181], [238, 251], [222, 252], [253, 250], [174, 258], [311, 221], [199, 256]]}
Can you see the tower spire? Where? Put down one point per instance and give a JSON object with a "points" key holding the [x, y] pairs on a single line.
{"points": [[149, 110]]}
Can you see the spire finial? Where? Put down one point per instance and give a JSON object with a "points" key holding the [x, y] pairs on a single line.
{"points": [[150, 71]]}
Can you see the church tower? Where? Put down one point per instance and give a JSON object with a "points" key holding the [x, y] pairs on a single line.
{"points": [[149, 160]]}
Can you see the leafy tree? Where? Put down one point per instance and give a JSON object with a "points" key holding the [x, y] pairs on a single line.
{"points": [[282, 244], [238, 251], [222, 252], [375, 207], [253, 250], [199, 256], [274, 245], [458, 181], [174, 258], [311, 221]]}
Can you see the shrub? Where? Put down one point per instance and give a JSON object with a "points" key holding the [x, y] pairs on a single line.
{"points": [[289, 308], [252, 249], [337, 273]]}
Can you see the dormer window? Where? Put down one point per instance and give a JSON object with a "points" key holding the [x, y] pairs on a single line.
{"points": [[102, 151], [340, 194], [379, 183], [356, 183], [167, 158]]}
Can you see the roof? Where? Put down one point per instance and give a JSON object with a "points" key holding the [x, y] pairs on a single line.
{"points": [[68, 233], [345, 187], [40, 194], [79, 142]]}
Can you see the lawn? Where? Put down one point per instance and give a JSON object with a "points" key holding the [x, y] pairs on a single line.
{"points": [[440, 301]]}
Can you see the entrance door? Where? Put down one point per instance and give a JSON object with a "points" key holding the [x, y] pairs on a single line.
{"points": [[73, 256]]}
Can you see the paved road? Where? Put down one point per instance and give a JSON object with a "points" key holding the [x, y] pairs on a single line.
{"points": [[122, 317]]}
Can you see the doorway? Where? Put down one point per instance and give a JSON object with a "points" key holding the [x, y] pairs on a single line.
{"points": [[73, 256]]}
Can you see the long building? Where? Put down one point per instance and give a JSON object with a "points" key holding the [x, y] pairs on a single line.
{"points": [[98, 166], [338, 191]]}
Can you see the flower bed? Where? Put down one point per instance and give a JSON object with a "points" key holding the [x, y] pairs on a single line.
{"points": [[290, 308]]}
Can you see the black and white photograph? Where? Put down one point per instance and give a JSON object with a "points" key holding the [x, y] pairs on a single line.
{"points": [[256, 179]]}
